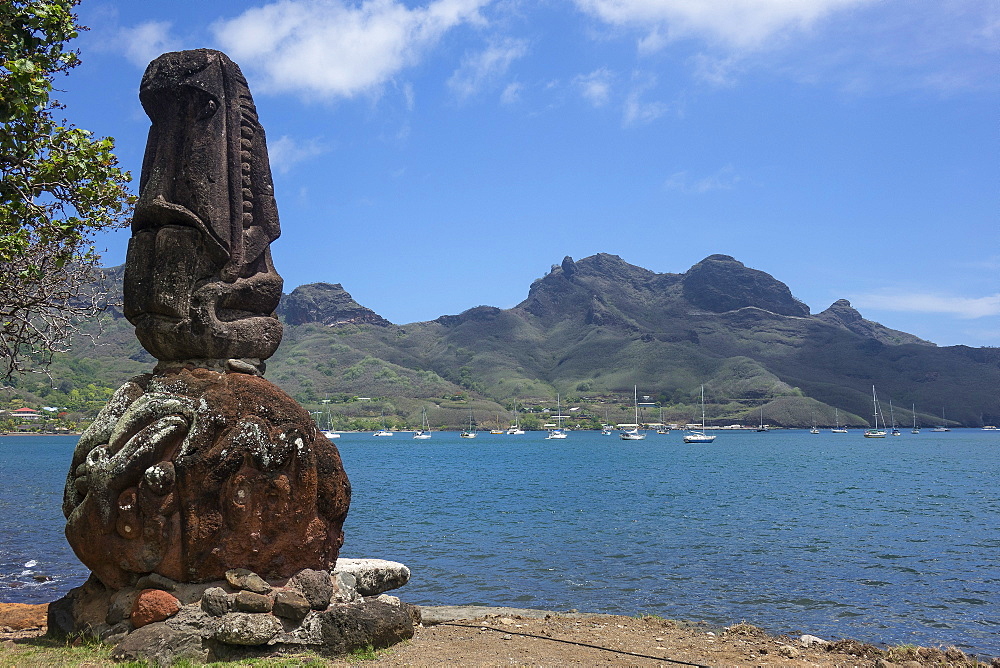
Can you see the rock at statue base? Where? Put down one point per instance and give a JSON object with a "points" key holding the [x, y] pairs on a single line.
{"points": [[191, 472], [226, 619], [153, 605]]}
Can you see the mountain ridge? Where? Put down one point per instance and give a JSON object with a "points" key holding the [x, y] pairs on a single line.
{"points": [[592, 329], [718, 284], [599, 325]]}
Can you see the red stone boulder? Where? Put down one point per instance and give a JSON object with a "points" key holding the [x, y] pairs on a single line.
{"points": [[153, 605], [191, 472]]}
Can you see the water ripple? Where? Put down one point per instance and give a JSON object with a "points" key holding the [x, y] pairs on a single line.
{"points": [[828, 534]]}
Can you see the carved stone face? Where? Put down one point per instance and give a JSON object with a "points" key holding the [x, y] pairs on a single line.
{"points": [[191, 473], [199, 282]]}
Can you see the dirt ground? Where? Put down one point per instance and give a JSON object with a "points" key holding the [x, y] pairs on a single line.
{"points": [[605, 640], [512, 638]]}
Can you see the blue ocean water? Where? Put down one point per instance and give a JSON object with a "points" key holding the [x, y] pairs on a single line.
{"points": [[894, 540]]}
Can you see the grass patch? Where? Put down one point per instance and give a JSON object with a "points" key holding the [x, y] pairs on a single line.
{"points": [[366, 653], [90, 653], [44, 651]]}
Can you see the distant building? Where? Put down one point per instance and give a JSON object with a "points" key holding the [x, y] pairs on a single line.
{"points": [[24, 414]]}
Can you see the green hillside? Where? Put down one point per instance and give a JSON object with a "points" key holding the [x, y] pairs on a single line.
{"points": [[590, 331]]}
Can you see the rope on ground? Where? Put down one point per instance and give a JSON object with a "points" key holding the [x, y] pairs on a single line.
{"points": [[573, 642]]}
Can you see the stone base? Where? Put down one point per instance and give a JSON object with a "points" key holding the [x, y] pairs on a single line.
{"points": [[162, 621]]}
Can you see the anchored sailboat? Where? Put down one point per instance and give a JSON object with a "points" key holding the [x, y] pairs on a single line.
{"points": [[425, 430], [941, 427], [634, 434], [384, 431], [558, 432], [875, 432], [838, 429], [515, 428], [470, 432], [892, 419], [700, 436]]}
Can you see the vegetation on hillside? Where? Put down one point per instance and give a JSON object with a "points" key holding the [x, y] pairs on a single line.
{"points": [[589, 332]]}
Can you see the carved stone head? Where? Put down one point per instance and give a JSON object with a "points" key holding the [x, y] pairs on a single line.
{"points": [[199, 282]]}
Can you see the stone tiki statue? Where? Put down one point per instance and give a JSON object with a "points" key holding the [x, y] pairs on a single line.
{"points": [[199, 282], [203, 466]]}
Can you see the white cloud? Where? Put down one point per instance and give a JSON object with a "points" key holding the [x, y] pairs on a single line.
{"points": [[147, 41], [716, 71], [638, 111], [595, 87], [410, 96], [286, 152], [481, 69], [946, 47], [724, 179], [335, 48], [963, 307], [741, 24], [512, 93]]}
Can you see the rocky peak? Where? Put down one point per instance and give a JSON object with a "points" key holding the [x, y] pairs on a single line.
{"points": [[570, 289], [843, 314], [842, 311], [327, 304], [613, 268], [474, 314], [720, 283]]}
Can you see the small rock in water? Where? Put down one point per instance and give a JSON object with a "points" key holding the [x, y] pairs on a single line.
{"points": [[42, 578]]}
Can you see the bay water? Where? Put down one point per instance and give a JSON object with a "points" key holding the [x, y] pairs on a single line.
{"points": [[893, 540]]}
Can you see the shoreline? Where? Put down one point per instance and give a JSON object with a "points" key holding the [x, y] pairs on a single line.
{"points": [[495, 635]]}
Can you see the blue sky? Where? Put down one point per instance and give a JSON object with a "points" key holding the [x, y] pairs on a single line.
{"points": [[433, 156]]}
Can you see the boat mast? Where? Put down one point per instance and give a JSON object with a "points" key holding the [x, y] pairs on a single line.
{"points": [[875, 406], [703, 408], [635, 399]]}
